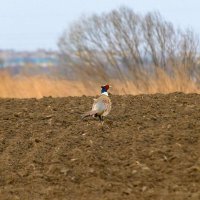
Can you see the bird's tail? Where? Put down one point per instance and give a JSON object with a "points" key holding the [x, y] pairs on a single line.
{"points": [[89, 113]]}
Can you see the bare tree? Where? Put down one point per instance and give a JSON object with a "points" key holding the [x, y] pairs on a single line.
{"points": [[122, 44]]}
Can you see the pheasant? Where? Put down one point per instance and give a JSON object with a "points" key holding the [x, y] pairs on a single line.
{"points": [[101, 106]]}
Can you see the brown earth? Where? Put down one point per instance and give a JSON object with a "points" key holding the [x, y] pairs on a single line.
{"points": [[149, 148]]}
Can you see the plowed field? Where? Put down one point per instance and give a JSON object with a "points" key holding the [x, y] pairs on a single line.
{"points": [[148, 148]]}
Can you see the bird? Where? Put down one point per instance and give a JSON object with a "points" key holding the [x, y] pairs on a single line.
{"points": [[101, 106]]}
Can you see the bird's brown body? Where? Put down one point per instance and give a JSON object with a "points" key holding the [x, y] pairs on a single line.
{"points": [[101, 107]]}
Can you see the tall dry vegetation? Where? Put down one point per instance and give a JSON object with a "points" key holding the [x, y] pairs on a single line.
{"points": [[39, 86]]}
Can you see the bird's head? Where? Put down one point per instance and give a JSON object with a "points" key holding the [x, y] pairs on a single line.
{"points": [[104, 89]]}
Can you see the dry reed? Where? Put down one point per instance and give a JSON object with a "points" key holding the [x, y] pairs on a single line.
{"points": [[39, 86]]}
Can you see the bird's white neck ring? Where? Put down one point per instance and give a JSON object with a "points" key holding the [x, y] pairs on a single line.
{"points": [[104, 93]]}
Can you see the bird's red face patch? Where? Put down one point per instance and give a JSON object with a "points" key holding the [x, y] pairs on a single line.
{"points": [[106, 86]]}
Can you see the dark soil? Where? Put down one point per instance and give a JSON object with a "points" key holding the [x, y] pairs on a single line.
{"points": [[148, 148]]}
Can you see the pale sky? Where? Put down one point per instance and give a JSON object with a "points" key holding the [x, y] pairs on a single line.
{"points": [[33, 24]]}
